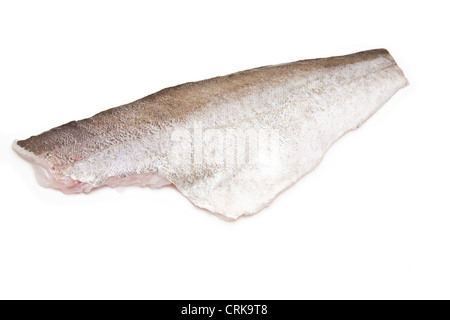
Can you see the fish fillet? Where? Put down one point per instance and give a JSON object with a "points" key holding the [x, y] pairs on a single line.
{"points": [[230, 144]]}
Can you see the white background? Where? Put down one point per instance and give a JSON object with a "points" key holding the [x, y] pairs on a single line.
{"points": [[372, 221]]}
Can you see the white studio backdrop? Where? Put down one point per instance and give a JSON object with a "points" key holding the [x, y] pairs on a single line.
{"points": [[372, 221]]}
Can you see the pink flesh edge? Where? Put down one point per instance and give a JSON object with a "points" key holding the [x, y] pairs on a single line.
{"points": [[47, 177]]}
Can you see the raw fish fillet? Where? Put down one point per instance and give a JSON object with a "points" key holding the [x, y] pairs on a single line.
{"points": [[230, 144]]}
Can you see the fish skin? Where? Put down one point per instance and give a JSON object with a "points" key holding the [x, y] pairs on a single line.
{"points": [[303, 107]]}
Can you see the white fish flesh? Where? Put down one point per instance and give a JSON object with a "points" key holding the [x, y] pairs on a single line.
{"points": [[230, 144]]}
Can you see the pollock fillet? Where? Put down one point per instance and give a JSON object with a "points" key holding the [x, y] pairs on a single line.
{"points": [[230, 144]]}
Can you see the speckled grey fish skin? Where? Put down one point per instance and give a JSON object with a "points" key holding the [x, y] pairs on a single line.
{"points": [[202, 136]]}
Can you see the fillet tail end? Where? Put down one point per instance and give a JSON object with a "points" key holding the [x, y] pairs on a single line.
{"points": [[47, 175]]}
